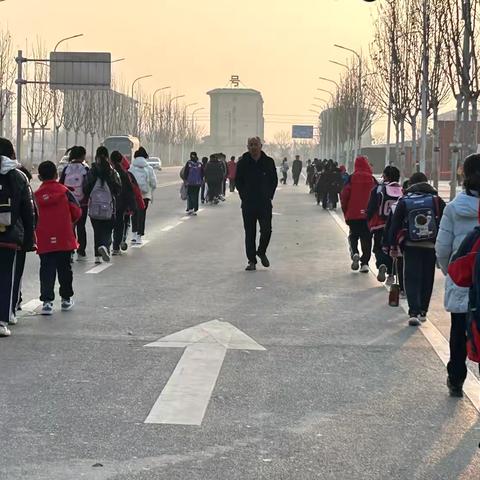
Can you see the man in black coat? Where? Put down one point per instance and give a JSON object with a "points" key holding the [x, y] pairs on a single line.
{"points": [[297, 167], [256, 183]]}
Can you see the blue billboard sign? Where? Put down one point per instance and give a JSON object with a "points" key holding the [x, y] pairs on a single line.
{"points": [[302, 131]]}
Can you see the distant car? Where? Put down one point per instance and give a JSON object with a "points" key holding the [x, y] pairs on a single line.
{"points": [[62, 164], [155, 163]]}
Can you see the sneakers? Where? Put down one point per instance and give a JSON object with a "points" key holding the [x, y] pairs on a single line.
{"points": [[47, 308], [264, 259], [13, 319], [124, 246], [364, 269], [355, 262], [422, 317], [98, 260], [403, 294], [134, 239], [116, 253], [390, 280], [455, 391], [139, 240], [251, 267], [414, 321], [103, 251], [67, 304], [4, 331], [382, 273], [194, 213]]}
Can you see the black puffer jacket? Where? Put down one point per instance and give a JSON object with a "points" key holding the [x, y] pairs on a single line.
{"points": [[214, 171], [21, 234]]}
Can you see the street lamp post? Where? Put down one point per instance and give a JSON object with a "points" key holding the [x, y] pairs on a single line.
{"points": [[337, 115], [425, 80], [155, 114], [193, 125], [56, 127], [358, 140], [319, 138], [169, 126], [332, 126], [185, 122], [137, 129]]}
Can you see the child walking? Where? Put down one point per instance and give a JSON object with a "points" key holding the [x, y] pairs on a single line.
{"points": [[58, 211]]}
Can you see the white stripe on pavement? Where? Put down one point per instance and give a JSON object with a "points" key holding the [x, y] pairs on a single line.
{"points": [[439, 343], [99, 268], [141, 245]]}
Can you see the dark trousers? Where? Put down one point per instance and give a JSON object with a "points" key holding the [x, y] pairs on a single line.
{"points": [[231, 183], [381, 257], [419, 266], [139, 219], [119, 230], [127, 218], [51, 264], [224, 187], [192, 197], [81, 230], [102, 234], [202, 192], [359, 231], [17, 282], [214, 190], [251, 216], [457, 368], [284, 178], [7, 276], [296, 178]]}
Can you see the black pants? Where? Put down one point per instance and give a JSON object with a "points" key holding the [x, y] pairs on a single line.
{"points": [[214, 190], [139, 219], [127, 219], [192, 197], [17, 282], [102, 234], [51, 264], [380, 256], [419, 278], [284, 178], [457, 368], [359, 231], [202, 192], [231, 183], [296, 178], [262, 215], [325, 201], [7, 276], [82, 231], [224, 187], [119, 229]]}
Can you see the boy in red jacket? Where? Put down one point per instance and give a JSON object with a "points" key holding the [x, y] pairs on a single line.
{"points": [[354, 198], [57, 211]]}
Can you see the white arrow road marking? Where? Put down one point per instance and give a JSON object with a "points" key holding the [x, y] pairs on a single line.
{"points": [[32, 305], [186, 396]]}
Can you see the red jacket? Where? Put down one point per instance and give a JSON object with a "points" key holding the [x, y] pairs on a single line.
{"points": [[57, 212], [231, 170], [356, 193]]}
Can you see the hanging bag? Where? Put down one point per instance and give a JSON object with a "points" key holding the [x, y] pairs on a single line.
{"points": [[394, 294]]}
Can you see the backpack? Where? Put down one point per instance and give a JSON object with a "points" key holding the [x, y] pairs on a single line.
{"points": [[7, 214], [422, 217], [389, 195], [74, 178], [194, 173], [101, 204], [141, 175]]}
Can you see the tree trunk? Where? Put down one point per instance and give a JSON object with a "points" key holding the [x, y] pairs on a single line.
{"points": [[474, 127], [456, 148], [67, 134], [92, 147], [32, 144], [43, 144], [415, 166], [402, 148], [436, 149], [397, 143], [76, 137]]}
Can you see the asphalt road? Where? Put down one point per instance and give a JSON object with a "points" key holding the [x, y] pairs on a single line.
{"points": [[344, 389]]}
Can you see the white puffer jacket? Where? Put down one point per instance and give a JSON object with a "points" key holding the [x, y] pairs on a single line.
{"points": [[145, 176]]}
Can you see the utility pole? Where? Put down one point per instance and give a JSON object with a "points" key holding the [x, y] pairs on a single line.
{"points": [[425, 80]]}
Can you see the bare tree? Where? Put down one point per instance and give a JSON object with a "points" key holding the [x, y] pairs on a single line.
{"points": [[282, 140], [7, 75]]}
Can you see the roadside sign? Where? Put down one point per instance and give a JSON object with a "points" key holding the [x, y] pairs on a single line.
{"points": [[80, 70], [302, 131]]}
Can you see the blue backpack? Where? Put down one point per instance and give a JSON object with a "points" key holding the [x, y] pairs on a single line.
{"points": [[194, 173], [422, 217]]}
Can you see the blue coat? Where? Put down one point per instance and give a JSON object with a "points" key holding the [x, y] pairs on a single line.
{"points": [[459, 218]]}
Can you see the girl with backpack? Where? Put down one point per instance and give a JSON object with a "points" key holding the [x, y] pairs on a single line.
{"points": [[147, 181], [73, 177], [102, 186], [460, 217]]}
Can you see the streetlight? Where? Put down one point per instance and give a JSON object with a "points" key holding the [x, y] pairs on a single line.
{"points": [[193, 125], [154, 112], [331, 124], [338, 119], [169, 125], [319, 139], [327, 144], [185, 121], [358, 140], [66, 39], [137, 129]]}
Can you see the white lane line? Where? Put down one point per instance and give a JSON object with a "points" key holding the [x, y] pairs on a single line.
{"points": [[439, 343], [32, 305], [186, 218], [99, 268], [170, 184], [167, 228]]}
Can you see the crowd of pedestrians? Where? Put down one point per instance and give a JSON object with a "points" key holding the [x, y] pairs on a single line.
{"points": [[52, 220]]}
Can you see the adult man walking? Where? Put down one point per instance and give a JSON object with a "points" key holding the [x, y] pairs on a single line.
{"points": [[297, 167], [256, 182]]}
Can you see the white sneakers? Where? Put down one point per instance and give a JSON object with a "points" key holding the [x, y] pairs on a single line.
{"points": [[364, 269], [103, 251], [47, 308], [355, 262], [414, 321], [13, 319], [382, 273], [67, 304], [4, 331]]}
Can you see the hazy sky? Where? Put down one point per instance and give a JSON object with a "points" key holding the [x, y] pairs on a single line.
{"points": [[279, 47]]}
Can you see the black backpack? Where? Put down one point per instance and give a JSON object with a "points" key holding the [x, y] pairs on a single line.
{"points": [[8, 210]]}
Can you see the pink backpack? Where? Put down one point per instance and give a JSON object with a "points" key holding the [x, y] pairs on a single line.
{"points": [[75, 174]]}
